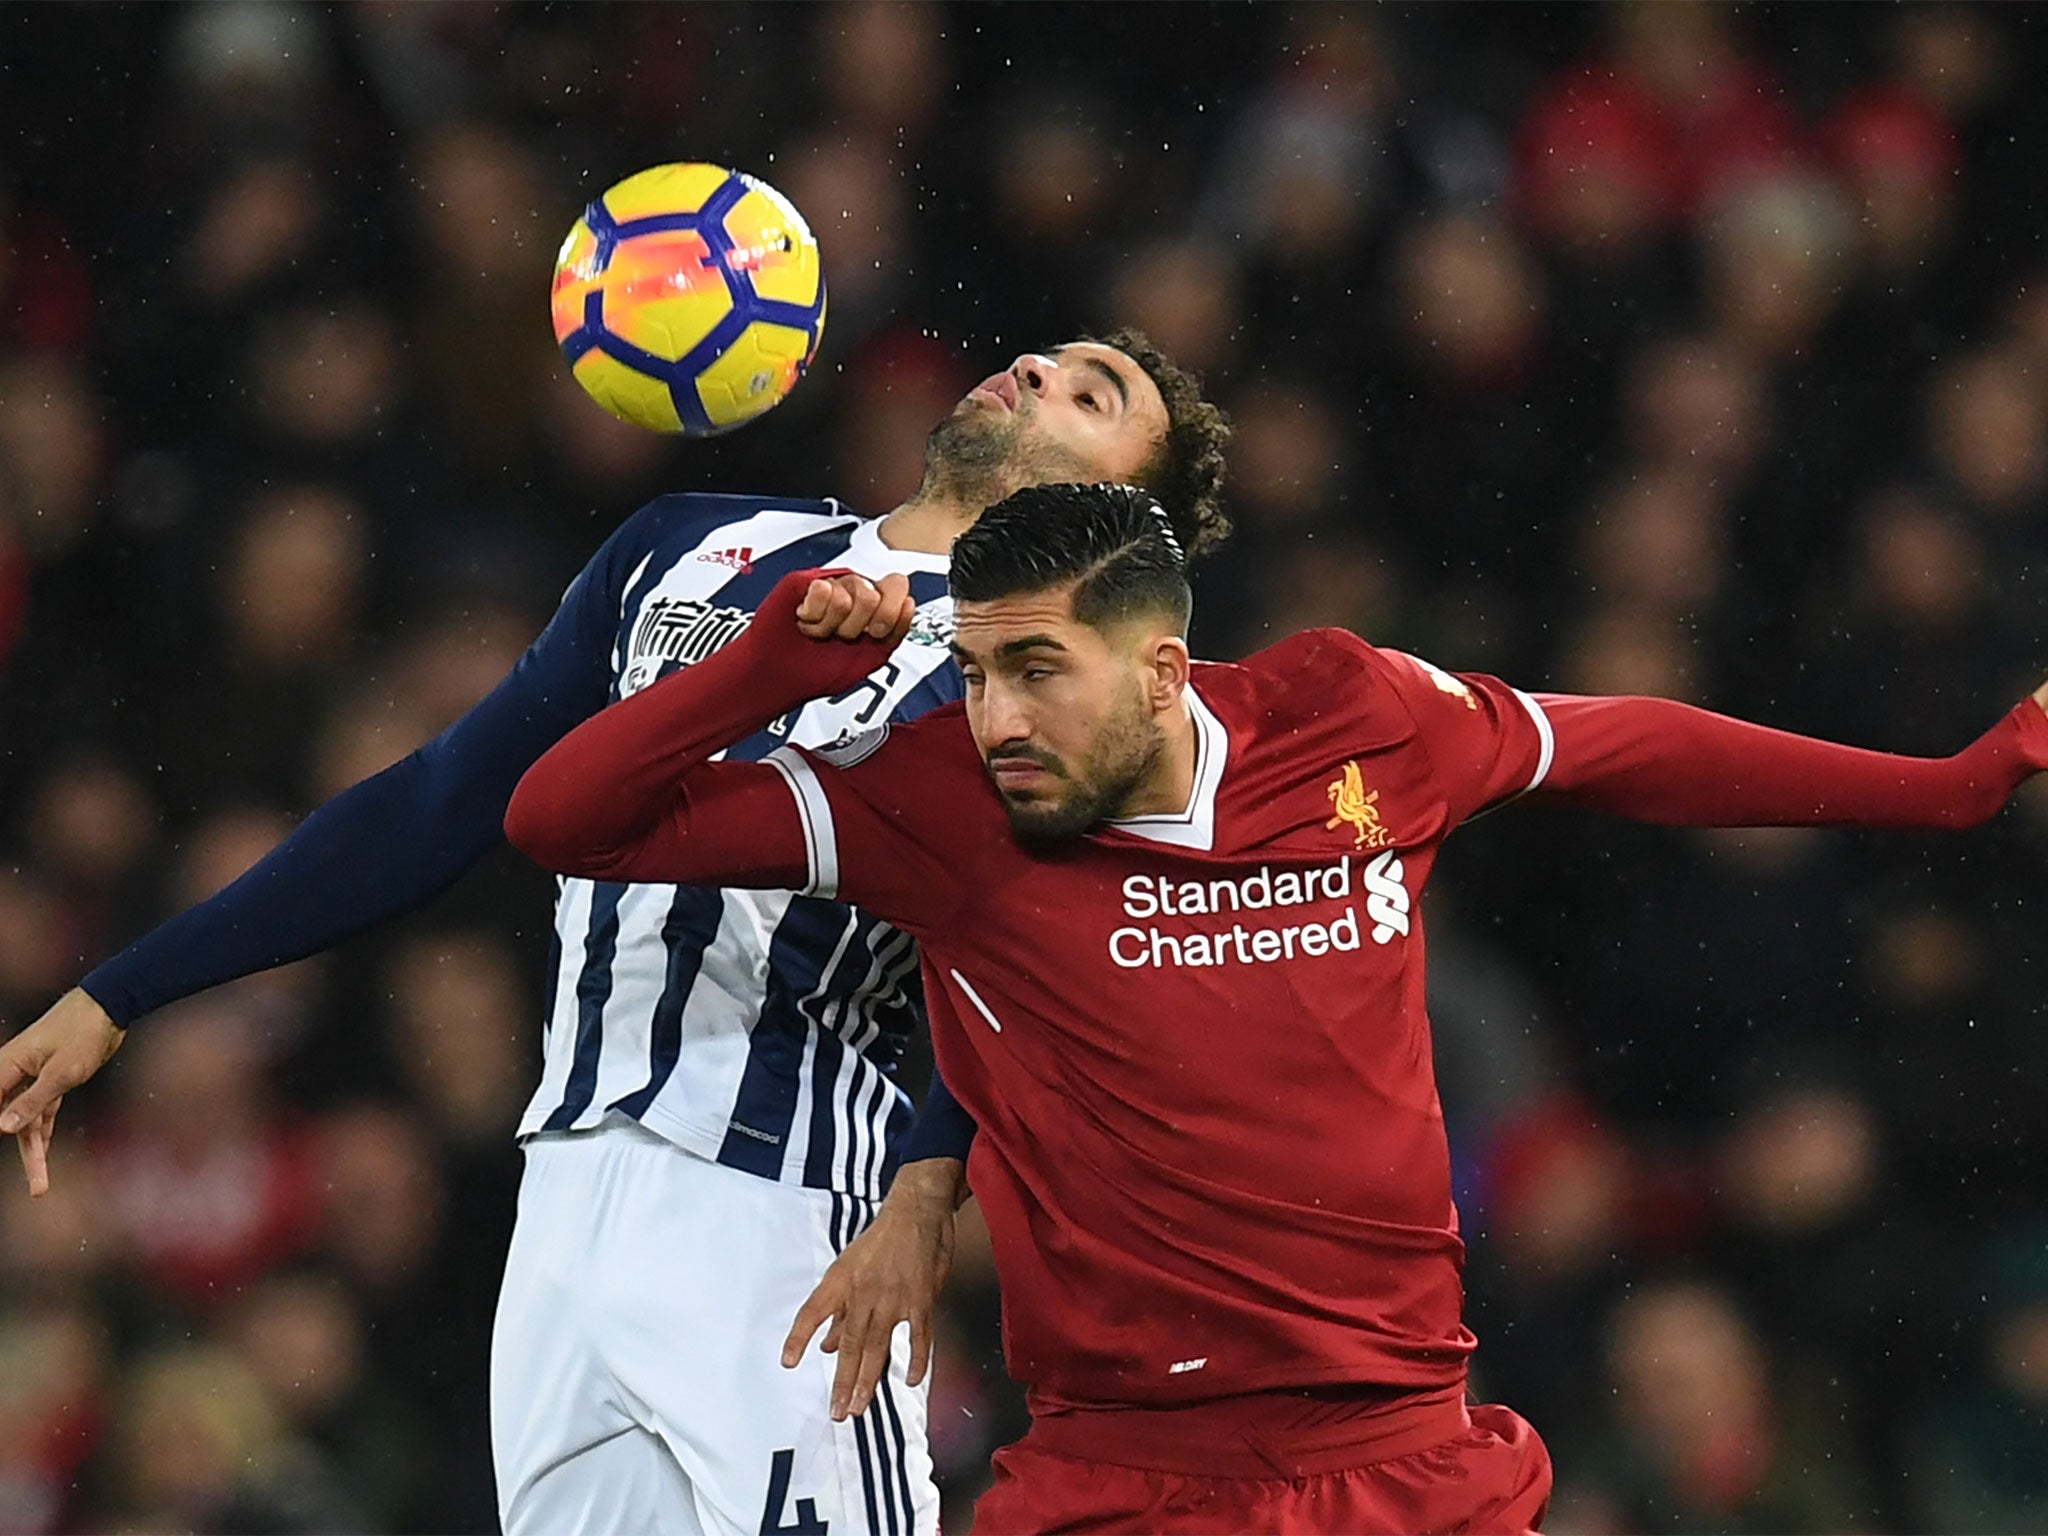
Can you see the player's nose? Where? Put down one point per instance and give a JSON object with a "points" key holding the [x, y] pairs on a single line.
{"points": [[1034, 371], [1004, 722]]}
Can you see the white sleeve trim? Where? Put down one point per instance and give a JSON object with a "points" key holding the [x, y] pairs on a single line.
{"points": [[814, 811], [1546, 739]]}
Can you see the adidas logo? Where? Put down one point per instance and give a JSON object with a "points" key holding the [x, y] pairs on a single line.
{"points": [[741, 559]]}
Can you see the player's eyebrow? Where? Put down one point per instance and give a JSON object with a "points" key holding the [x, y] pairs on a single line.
{"points": [[1029, 643], [1009, 648]]}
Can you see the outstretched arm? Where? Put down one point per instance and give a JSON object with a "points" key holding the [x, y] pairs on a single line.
{"points": [[378, 849], [1659, 761]]}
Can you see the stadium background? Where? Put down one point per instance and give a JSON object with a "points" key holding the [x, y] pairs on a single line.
{"points": [[1690, 351]]}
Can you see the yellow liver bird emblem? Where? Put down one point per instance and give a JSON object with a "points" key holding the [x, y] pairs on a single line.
{"points": [[1358, 808]]}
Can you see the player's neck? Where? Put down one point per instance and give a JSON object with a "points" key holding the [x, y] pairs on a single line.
{"points": [[926, 526], [1170, 785]]}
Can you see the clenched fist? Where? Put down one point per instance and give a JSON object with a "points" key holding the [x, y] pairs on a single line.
{"points": [[844, 606]]}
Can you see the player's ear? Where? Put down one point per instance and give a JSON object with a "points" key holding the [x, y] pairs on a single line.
{"points": [[1166, 670]]}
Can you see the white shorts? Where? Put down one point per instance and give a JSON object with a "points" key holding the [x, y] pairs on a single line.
{"points": [[636, 1373]]}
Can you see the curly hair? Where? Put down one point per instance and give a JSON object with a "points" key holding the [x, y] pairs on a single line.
{"points": [[1186, 474]]}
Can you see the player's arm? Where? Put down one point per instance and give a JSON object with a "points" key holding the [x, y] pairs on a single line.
{"points": [[382, 847], [633, 793], [893, 1272], [1659, 761]]}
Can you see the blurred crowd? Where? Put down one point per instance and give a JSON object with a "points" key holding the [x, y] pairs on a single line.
{"points": [[1664, 349]]}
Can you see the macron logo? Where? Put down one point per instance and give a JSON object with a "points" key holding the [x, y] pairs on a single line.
{"points": [[741, 559]]}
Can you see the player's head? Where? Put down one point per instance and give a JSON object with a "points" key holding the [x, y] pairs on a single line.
{"points": [[1111, 408], [1070, 604]]}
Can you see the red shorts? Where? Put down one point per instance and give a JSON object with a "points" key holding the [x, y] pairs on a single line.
{"points": [[1274, 1462]]}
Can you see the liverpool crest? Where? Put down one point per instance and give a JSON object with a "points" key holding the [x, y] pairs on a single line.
{"points": [[1359, 809]]}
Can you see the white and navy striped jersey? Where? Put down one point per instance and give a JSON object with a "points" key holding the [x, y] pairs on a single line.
{"points": [[756, 1028]]}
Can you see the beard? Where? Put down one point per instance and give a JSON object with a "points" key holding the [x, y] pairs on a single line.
{"points": [[976, 457], [1118, 762]]}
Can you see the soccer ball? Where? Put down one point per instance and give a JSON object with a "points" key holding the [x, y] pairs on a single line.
{"points": [[689, 298]]}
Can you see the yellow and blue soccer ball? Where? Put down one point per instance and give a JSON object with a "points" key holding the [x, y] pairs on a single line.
{"points": [[689, 298]]}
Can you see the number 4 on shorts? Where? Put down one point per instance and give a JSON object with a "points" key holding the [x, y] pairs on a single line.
{"points": [[807, 1522]]}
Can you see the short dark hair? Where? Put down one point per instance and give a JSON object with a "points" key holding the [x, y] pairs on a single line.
{"points": [[1113, 542], [1186, 473]]}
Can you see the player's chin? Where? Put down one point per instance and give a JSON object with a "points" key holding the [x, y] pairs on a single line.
{"points": [[1036, 818]]}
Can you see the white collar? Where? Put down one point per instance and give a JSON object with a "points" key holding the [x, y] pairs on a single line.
{"points": [[867, 547], [1194, 825]]}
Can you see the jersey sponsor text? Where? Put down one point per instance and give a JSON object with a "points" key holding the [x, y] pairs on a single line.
{"points": [[1387, 903]]}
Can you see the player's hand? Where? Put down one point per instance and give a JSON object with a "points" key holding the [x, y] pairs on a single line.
{"points": [[44, 1062], [844, 606], [890, 1274], [2041, 697]]}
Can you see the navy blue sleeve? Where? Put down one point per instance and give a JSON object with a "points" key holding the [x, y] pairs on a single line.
{"points": [[943, 1128], [398, 839]]}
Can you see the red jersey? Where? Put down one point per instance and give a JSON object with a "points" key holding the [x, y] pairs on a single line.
{"points": [[1210, 1150], [1210, 1154]]}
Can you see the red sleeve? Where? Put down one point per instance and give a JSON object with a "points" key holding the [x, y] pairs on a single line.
{"points": [[885, 823], [631, 793], [1659, 761], [1486, 742], [731, 824]]}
